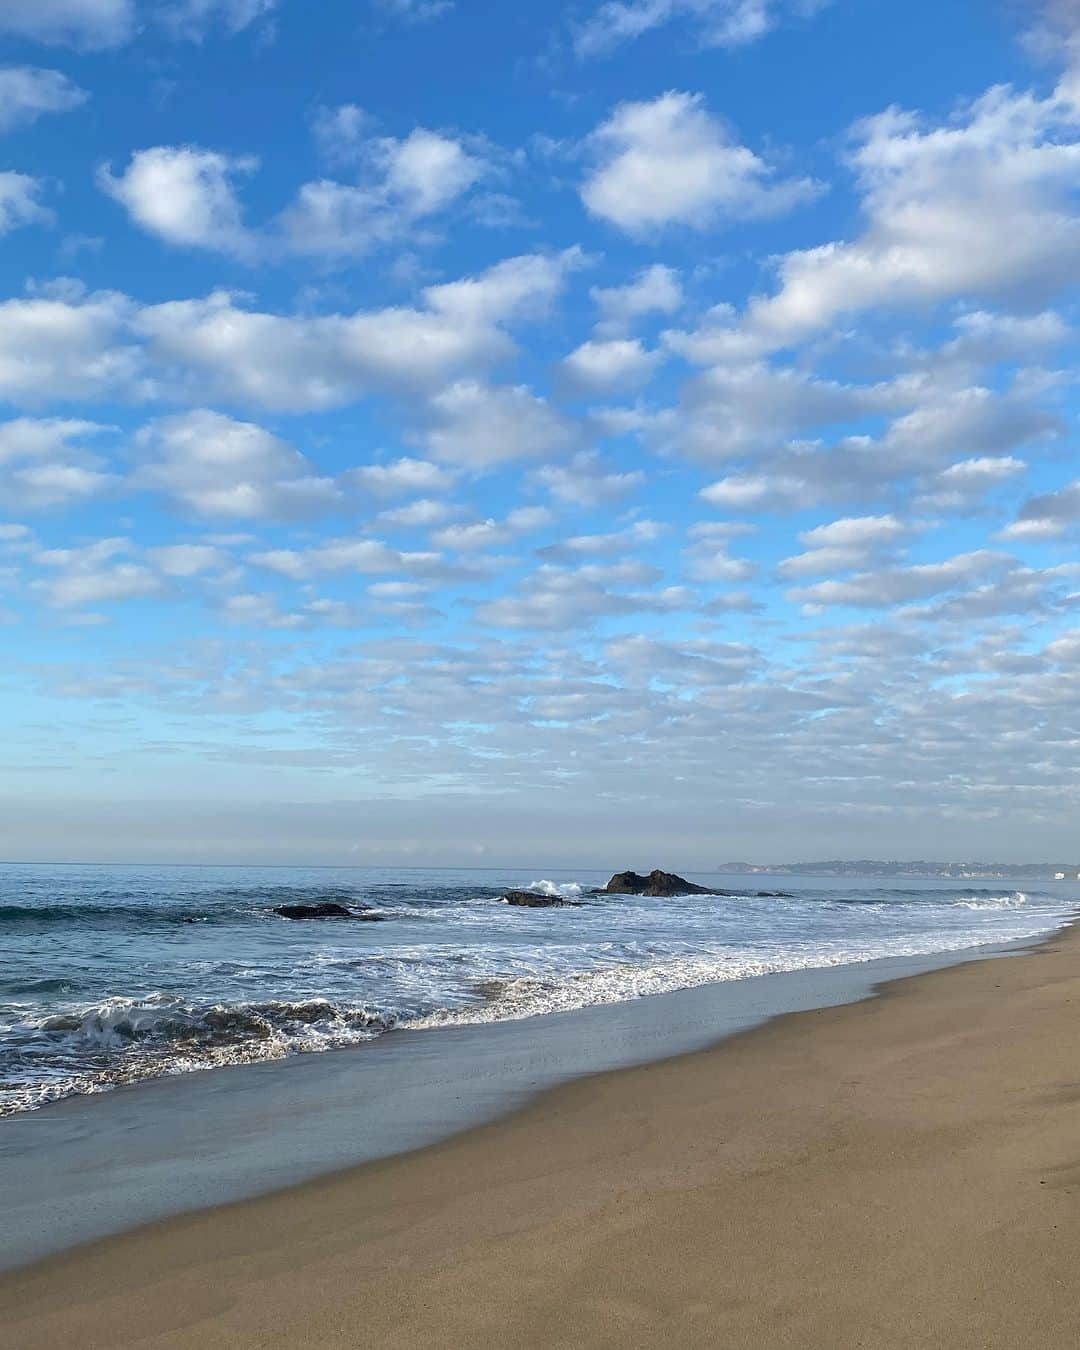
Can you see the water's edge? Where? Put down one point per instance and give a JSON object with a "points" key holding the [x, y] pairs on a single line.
{"points": [[88, 1167]]}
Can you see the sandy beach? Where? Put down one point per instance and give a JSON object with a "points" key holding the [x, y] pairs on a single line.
{"points": [[897, 1173]]}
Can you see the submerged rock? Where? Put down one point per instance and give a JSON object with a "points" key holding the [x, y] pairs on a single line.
{"points": [[656, 883], [536, 900], [323, 909]]}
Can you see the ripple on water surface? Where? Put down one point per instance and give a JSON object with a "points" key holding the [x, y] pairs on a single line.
{"points": [[109, 976]]}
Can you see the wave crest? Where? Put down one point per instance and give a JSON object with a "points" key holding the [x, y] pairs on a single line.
{"points": [[167, 1020], [565, 888]]}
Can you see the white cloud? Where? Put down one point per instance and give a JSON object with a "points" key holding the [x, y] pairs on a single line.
{"points": [[856, 532], [367, 557], [212, 465], [66, 349], [252, 609], [401, 476], [481, 426], [90, 24], [94, 574], [602, 366], [716, 564], [914, 446], [192, 18], [480, 534], [1054, 37], [185, 195], [342, 133], [670, 162], [695, 662], [520, 288], [975, 472], [585, 481], [300, 363], [605, 545], [1017, 590], [64, 344], [426, 170], [895, 585], [416, 11], [397, 590], [94, 25], [845, 544], [187, 560], [920, 422], [709, 559], [655, 290], [27, 92], [19, 202], [423, 513], [984, 336], [737, 409], [1061, 17], [746, 492], [717, 340], [717, 23], [490, 533], [963, 484], [16, 536], [1048, 515], [979, 208], [43, 463], [555, 598], [404, 182], [526, 518]]}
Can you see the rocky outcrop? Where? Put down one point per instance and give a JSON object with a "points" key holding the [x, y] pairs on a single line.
{"points": [[656, 883], [668, 883], [659, 883], [324, 909], [536, 900]]}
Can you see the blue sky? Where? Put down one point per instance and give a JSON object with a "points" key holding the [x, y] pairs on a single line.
{"points": [[632, 432]]}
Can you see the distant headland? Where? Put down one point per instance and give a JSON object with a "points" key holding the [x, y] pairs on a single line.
{"points": [[955, 871]]}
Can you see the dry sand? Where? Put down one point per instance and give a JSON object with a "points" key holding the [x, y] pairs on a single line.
{"points": [[903, 1172]]}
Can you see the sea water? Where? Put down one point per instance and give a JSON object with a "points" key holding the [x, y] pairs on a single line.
{"points": [[113, 975]]}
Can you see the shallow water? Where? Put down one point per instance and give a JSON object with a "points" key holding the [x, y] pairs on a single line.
{"points": [[113, 975]]}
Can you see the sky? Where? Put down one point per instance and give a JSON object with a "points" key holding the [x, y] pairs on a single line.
{"points": [[609, 433]]}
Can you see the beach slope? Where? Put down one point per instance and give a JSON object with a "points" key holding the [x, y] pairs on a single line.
{"points": [[904, 1172]]}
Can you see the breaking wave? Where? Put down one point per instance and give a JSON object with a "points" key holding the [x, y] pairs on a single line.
{"points": [[110, 984], [985, 900], [127, 1040], [566, 889]]}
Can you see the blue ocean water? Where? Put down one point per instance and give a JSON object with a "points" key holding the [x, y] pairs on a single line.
{"points": [[111, 975]]}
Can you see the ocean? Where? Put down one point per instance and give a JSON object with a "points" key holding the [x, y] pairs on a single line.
{"points": [[112, 975]]}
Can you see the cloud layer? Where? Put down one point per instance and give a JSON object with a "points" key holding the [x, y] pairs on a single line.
{"points": [[627, 462]]}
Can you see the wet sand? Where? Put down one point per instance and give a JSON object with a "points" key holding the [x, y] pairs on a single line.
{"points": [[903, 1172]]}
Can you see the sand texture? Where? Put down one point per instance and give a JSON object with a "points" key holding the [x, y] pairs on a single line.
{"points": [[904, 1172]]}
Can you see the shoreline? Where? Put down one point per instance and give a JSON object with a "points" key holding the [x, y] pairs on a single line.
{"points": [[94, 1166], [900, 1171]]}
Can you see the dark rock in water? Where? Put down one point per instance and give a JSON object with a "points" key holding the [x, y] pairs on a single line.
{"points": [[659, 883], [324, 909], [536, 900], [656, 883]]}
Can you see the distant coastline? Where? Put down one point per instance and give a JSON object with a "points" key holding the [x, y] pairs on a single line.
{"points": [[953, 871]]}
